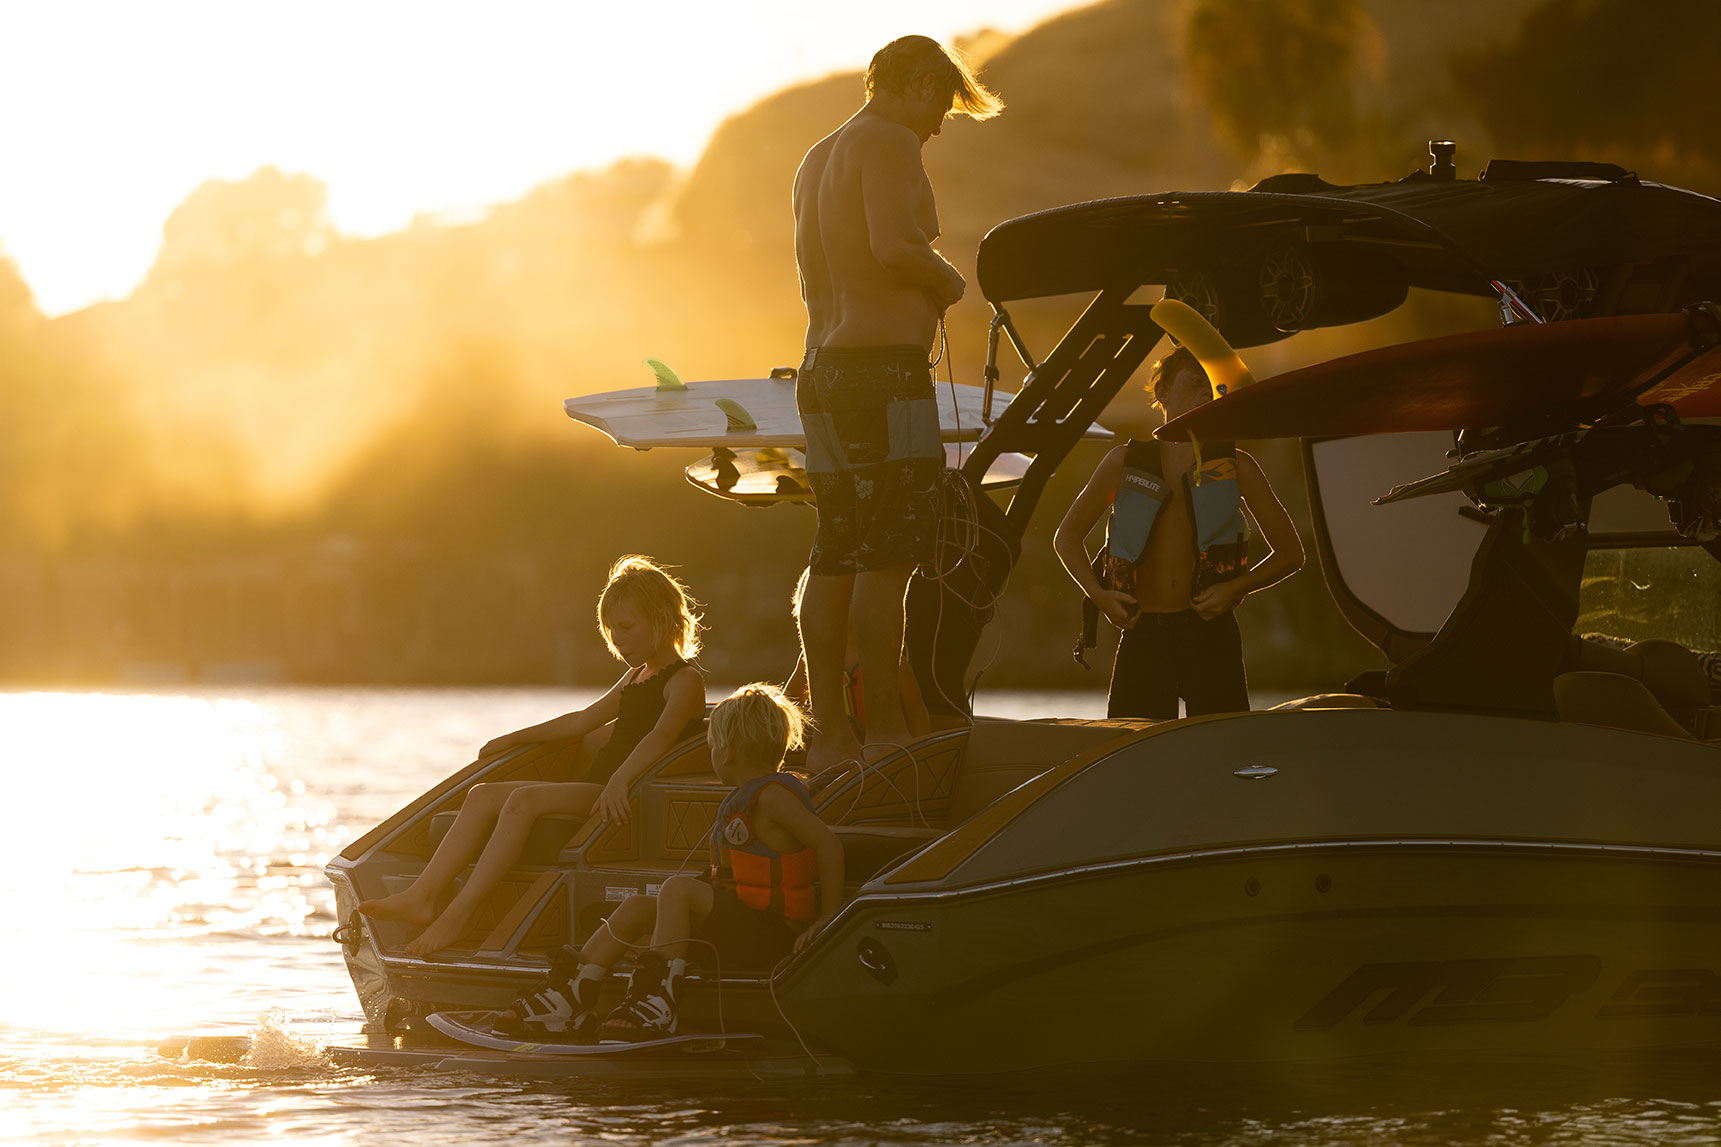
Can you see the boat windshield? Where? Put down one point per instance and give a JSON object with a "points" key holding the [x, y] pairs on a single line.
{"points": [[1671, 593]]}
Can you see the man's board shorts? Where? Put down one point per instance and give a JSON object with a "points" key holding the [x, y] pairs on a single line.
{"points": [[874, 458], [745, 938]]}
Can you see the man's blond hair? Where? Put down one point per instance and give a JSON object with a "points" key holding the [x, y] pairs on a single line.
{"points": [[659, 595], [904, 60], [757, 725]]}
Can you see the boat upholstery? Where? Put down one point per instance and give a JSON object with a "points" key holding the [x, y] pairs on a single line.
{"points": [[1671, 673], [1586, 697], [997, 757]]}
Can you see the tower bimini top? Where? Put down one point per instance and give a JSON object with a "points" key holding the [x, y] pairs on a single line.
{"points": [[1574, 240]]}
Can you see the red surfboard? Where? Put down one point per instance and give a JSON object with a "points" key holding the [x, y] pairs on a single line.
{"points": [[1476, 379]]}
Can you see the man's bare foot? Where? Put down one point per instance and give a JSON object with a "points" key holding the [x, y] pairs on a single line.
{"points": [[405, 906], [886, 738], [438, 936], [826, 753]]}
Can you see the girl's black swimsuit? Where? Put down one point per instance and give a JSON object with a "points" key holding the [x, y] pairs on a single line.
{"points": [[642, 704]]}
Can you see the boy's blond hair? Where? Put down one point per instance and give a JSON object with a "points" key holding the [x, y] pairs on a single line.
{"points": [[905, 59], [664, 601], [757, 724]]}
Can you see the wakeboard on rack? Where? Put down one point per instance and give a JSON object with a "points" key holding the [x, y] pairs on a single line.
{"points": [[477, 1030]]}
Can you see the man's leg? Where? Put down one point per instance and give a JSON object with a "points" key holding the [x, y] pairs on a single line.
{"points": [[824, 637], [878, 622]]}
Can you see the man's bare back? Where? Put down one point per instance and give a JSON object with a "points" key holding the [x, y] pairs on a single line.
{"points": [[865, 219]]}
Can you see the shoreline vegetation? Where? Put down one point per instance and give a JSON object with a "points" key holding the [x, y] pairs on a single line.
{"points": [[294, 456]]}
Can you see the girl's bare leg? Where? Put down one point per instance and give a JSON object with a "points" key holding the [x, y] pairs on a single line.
{"points": [[682, 903], [416, 904], [513, 826]]}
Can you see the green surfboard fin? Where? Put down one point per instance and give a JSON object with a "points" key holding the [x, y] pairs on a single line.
{"points": [[667, 379], [737, 415]]}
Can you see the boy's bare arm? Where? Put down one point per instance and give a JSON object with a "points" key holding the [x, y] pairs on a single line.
{"points": [[1285, 556], [1070, 541], [786, 811]]}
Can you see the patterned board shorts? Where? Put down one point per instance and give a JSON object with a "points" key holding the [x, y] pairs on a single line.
{"points": [[873, 456]]}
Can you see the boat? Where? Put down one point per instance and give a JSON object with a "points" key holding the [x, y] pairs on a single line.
{"points": [[1506, 843]]}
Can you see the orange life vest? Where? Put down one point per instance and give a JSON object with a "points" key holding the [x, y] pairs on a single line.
{"points": [[764, 879]]}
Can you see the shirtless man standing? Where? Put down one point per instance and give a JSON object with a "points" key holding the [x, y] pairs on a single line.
{"points": [[1180, 636], [875, 291]]}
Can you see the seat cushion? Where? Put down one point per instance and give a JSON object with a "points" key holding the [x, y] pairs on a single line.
{"points": [[1614, 700]]}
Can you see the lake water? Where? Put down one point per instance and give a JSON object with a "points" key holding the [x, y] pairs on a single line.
{"points": [[161, 875]]}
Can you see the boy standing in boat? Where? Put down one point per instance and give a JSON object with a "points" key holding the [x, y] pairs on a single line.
{"points": [[875, 292], [1175, 564]]}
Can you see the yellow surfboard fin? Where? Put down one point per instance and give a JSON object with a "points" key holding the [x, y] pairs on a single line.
{"points": [[1225, 371], [667, 379], [737, 415]]}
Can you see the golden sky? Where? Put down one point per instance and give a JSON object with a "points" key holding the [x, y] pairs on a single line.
{"points": [[116, 110]]}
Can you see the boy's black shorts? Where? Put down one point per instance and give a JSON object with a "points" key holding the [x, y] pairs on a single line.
{"points": [[746, 938]]}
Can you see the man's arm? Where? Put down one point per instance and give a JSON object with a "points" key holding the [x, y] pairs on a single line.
{"points": [[1070, 542], [892, 180], [1280, 533]]}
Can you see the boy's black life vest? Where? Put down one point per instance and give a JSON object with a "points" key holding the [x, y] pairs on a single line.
{"points": [[1221, 532]]}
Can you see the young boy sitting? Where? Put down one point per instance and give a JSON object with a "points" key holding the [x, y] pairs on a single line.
{"points": [[776, 880]]}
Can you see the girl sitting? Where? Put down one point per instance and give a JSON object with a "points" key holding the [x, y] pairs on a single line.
{"points": [[648, 621]]}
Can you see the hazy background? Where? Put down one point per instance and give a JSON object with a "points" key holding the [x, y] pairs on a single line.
{"points": [[293, 453]]}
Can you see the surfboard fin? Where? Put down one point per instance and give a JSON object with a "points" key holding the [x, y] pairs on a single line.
{"points": [[667, 379], [1225, 370], [739, 419]]}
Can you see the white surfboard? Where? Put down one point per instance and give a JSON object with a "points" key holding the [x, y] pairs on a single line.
{"points": [[760, 413]]}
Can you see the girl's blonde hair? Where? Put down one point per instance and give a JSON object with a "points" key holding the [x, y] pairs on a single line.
{"points": [[757, 724], [665, 602]]}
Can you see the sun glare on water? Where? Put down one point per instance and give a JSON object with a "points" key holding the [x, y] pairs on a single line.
{"points": [[139, 825]]}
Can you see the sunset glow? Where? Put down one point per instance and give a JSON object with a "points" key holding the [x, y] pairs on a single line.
{"points": [[118, 111]]}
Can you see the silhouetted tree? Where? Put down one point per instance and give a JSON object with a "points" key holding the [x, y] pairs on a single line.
{"points": [[268, 214], [1276, 69], [1603, 76]]}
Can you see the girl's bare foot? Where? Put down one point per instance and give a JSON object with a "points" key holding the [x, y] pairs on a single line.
{"points": [[439, 935], [405, 906]]}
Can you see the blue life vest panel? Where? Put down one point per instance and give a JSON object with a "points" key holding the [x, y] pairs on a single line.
{"points": [[1215, 504]]}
